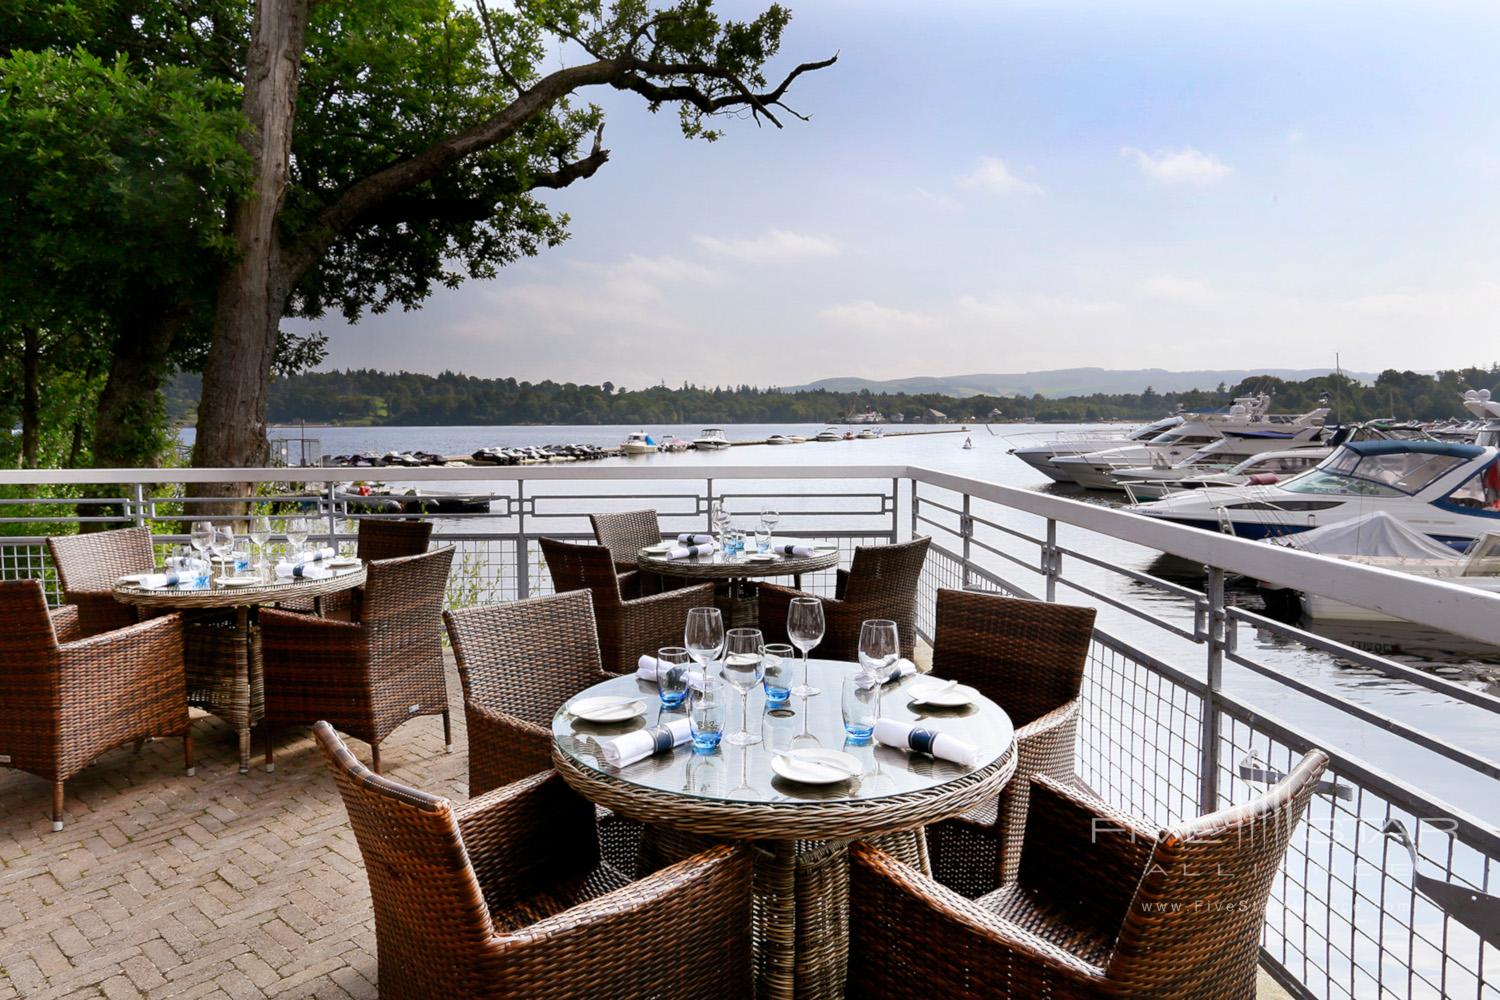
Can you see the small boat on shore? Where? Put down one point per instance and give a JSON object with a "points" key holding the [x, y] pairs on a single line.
{"points": [[778, 439], [639, 443], [830, 434], [868, 434], [711, 439]]}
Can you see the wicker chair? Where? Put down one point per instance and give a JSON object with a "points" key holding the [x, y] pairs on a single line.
{"points": [[518, 663], [881, 582], [369, 675], [505, 896], [1103, 907], [88, 566], [375, 540], [1028, 657], [625, 535], [68, 697], [627, 627]]}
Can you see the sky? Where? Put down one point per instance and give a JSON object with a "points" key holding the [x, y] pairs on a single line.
{"points": [[996, 186]]}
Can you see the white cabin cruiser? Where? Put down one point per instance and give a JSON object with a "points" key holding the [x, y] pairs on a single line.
{"points": [[711, 439], [829, 435], [1258, 470], [1041, 456], [1447, 491], [639, 443], [1220, 456]]}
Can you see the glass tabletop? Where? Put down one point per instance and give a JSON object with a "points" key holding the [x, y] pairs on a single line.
{"points": [[749, 562], [743, 774]]}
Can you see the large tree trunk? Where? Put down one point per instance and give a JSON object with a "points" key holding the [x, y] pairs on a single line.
{"points": [[253, 291], [129, 416]]}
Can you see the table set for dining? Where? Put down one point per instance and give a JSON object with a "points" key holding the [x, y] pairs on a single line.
{"points": [[822, 753]]}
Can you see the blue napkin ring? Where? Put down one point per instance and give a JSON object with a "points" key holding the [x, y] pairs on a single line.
{"points": [[661, 738], [921, 740]]}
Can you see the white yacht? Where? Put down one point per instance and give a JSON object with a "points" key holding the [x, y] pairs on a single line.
{"points": [[711, 439], [1249, 418], [1220, 456], [1041, 456], [1447, 491], [778, 439], [829, 435], [639, 443], [1258, 470]]}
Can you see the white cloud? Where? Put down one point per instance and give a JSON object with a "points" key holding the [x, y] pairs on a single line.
{"points": [[1182, 166], [939, 201], [1174, 288], [776, 246], [994, 176], [866, 314], [631, 291], [1033, 308]]}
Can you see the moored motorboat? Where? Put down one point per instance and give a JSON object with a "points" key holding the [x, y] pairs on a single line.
{"points": [[778, 439], [868, 434], [1041, 456], [1257, 470], [639, 443], [828, 435], [711, 439]]}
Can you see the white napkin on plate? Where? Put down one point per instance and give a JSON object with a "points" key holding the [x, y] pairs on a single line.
{"points": [[171, 578], [302, 571], [694, 538], [800, 551], [316, 555], [646, 667], [907, 736], [690, 551], [622, 751]]}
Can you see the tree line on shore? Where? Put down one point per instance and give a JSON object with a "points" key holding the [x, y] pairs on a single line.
{"points": [[365, 396]]}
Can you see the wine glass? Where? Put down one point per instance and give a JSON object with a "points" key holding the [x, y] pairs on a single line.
{"points": [[804, 626], [743, 669], [201, 535], [769, 519], [879, 647], [221, 543], [704, 637], [296, 536], [260, 534]]}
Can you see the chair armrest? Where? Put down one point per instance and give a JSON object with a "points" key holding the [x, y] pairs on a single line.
{"points": [[1044, 746], [136, 672], [526, 835], [841, 583], [503, 748], [99, 611], [306, 628], [67, 623], [912, 936], [1083, 852], [687, 597], [689, 921]]}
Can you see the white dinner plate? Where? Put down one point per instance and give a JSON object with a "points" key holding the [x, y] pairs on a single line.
{"points": [[238, 581], [925, 692], [825, 547], [760, 557], [660, 549], [817, 767], [344, 561], [607, 709]]}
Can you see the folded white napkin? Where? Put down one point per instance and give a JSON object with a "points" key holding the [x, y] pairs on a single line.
{"points": [[901, 668], [622, 751], [906, 736], [800, 551], [694, 538], [302, 571], [646, 668], [183, 563], [315, 555], [690, 551], [171, 578]]}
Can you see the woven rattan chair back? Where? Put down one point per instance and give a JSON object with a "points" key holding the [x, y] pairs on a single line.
{"points": [[28, 676], [88, 566], [582, 567], [404, 596], [625, 534], [881, 573], [1197, 913], [526, 658], [431, 921], [392, 539], [1027, 656]]}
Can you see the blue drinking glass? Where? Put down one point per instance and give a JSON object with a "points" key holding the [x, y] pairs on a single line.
{"points": [[779, 659], [707, 715], [673, 668]]}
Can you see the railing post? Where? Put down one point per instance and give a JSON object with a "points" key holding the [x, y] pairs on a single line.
{"points": [[966, 532], [1208, 789], [895, 509], [138, 503], [333, 520], [1051, 560], [913, 482], [708, 510]]}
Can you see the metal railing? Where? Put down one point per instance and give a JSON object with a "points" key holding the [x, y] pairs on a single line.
{"points": [[1389, 889]]}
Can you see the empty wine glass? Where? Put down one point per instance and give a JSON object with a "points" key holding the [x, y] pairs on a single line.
{"points": [[221, 543], [260, 534], [879, 647], [769, 519], [743, 668], [296, 535], [704, 637], [201, 535], [804, 626]]}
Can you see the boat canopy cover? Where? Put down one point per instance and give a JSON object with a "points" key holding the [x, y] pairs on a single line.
{"points": [[1373, 534], [1387, 447]]}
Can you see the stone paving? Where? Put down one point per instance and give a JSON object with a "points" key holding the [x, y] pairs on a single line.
{"points": [[217, 886]]}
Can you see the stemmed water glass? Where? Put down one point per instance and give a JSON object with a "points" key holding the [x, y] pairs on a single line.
{"points": [[769, 519], [804, 626], [221, 543], [201, 535], [704, 637], [743, 668], [879, 647], [260, 534], [296, 536]]}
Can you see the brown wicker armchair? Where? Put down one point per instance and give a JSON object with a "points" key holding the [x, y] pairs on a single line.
{"points": [[1102, 907], [518, 663], [67, 697], [627, 627], [881, 582], [625, 534], [88, 566], [1028, 657], [506, 896], [375, 540], [366, 676]]}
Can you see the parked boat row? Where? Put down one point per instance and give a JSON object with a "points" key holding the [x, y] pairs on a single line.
{"points": [[714, 439], [531, 455]]}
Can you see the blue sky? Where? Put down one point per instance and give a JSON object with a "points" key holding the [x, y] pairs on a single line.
{"points": [[998, 186]]}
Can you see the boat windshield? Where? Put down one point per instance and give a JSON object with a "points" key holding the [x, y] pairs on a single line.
{"points": [[1186, 436], [1389, 475]]}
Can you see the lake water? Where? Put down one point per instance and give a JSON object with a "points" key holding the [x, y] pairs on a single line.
{"points": [[1469, 727]]}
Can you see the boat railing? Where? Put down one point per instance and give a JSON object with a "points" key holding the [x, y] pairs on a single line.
{"points": [[1190, 701]]}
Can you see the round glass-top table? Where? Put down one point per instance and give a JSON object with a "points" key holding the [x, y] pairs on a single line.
{"points": [[734, 573], [221, 649], [802, 831]]}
